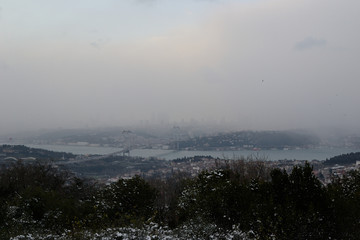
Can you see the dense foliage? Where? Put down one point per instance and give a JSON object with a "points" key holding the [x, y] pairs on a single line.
{"points": [[243, 199]]}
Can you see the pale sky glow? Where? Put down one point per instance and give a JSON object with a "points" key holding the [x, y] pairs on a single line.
{"points": [[267, 64]]}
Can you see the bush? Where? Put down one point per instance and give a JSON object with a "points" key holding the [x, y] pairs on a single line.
{"points": [[130, 201]]}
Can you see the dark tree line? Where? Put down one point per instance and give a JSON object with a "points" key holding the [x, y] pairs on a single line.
{"points": [[270, 203]]}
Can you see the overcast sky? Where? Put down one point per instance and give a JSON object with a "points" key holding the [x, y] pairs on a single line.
{"points": [[271, 64]]}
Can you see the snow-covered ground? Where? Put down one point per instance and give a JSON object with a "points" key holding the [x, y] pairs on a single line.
{"points": [[148, 232]]}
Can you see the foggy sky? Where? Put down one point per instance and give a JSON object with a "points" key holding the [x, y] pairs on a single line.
{"points": [[270, 64]]}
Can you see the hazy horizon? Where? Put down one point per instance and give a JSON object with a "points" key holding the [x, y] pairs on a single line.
{"points": [[248, 64]]}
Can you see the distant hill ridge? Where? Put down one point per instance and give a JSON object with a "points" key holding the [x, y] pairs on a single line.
{"points": [[249, 139], [21, 151], [348, 158]]}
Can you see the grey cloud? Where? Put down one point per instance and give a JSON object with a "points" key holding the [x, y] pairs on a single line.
{"points": [[3, 65], [309, 43], [94, 44], [99, 43], [146, 1], [154, 1]]}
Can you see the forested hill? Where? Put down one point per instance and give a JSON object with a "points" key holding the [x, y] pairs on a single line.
{"points": [[348, 158], [249, 139], [20, 151]]}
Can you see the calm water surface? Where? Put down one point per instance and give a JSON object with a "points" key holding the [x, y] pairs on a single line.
{"points": [[295, 154]]}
